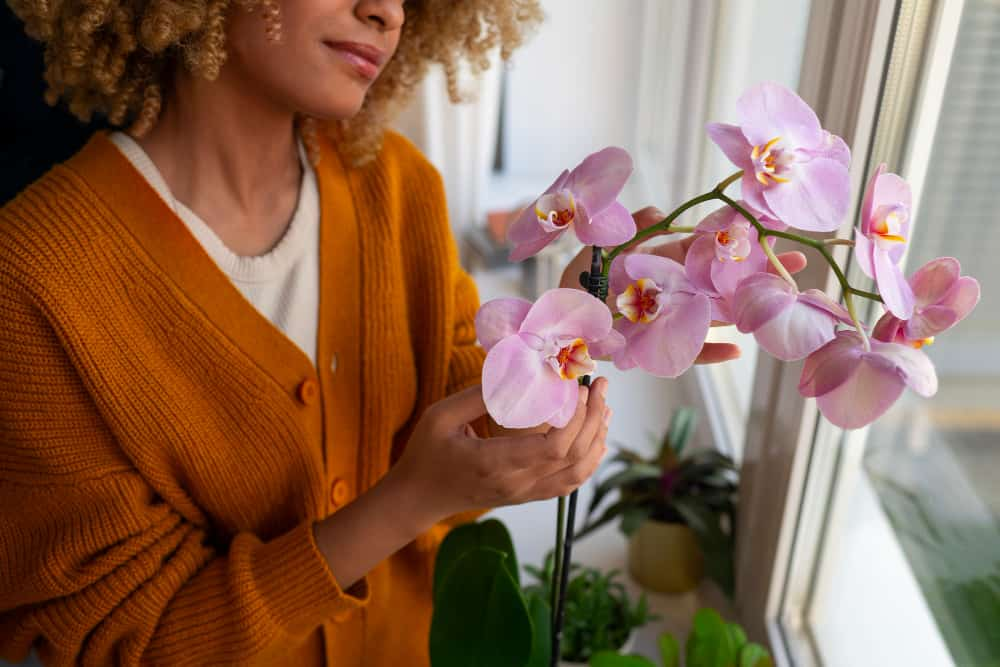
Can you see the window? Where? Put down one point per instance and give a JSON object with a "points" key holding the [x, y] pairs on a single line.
{"points": [[887, 549]]}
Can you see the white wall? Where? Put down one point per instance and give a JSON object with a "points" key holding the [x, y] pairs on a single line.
{"points": [[573, 89]]}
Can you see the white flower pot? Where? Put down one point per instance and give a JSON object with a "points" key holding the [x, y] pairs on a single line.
{"points": [[625, 649]]}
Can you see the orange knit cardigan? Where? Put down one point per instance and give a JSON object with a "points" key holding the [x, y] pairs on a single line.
{"points": [[165, 450]]}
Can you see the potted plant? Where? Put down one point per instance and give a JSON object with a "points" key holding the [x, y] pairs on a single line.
{"points": [[711, 643], [599, 614], [678, 510]]}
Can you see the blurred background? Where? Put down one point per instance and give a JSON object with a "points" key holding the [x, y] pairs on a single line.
{"points": [[877, 547]]}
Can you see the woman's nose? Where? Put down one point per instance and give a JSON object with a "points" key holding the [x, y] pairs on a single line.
{"points": [[386, 14]]}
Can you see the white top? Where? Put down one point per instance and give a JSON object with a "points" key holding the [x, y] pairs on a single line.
{"points": [[283, 283]]}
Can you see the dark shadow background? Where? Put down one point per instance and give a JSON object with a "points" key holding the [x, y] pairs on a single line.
{"points": [[33, 135]]}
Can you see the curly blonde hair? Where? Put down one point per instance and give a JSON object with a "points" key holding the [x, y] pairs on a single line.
{"points": [[113, 57]]}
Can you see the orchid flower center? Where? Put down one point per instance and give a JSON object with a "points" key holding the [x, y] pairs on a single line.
{"points": [[922, 342], [733, 244], [771, 162], [555, 210], [887, 225], [571, 359], [639, 302]]}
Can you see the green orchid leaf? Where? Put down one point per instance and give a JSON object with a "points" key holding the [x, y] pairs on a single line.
{"points": [[480, 617], [462, 539], [670, 650]]}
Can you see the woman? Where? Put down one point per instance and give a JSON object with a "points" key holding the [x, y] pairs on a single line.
{"points": [[238, 386]]}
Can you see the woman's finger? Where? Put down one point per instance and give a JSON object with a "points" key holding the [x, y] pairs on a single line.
{"points": [[714, 353], [793, 262]]}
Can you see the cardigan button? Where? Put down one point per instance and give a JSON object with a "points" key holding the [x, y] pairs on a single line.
{"points": [[338, 493], [308, 391]]}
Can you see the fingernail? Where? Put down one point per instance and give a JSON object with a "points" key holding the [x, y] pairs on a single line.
{"points": [[607, 416], [604, 389]]}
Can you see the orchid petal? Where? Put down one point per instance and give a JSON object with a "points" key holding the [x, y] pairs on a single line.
{"points": [[963, 296], [830, 366], [499, 318], [731, 141], [864, 251], [863, 397], [599, 179], [698, 263], [933, 280], [928, 322], [568, 312], [611, 227], [526, 249], [912, 365], [607, 346], [666, 273], [669, 345], [819, 299], [770, 110], [796, 332], [816, 197], [718, 220], [892, 287], [566, 412], [887, 328], [759, 299], [868, 204], [519, 388], [618, 280], [726, 276]]}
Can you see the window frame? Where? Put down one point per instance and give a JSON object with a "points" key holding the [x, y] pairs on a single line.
{"points": [[872, 79]]}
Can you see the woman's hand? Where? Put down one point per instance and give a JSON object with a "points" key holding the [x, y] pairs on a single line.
{"points": [[449, 469], [711, 353]]}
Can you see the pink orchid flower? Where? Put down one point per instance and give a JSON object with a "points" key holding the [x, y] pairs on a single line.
{"points": [[942, 299], [584, 199], [536, 352], [790, 325], [793, 169], [881, 240], [666, 318], [724, 253], [853, 386]]}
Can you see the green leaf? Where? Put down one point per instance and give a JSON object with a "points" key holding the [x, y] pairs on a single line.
{"points": [[633, 517], [737, 636], [634, 472], [479, 616], [710, 644], [681, 427], [670, 650], [490, 533], [541, 628], [754, 655], [612, 659]]}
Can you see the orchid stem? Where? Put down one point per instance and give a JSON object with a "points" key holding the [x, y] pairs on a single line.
{"points": [[847, 242], [596, 282], [557, 556], [776, 263]]}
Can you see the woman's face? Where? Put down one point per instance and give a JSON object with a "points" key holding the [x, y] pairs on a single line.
{"points": [[328, 55]]}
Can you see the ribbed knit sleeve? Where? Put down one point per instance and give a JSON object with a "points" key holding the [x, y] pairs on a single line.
{"points": [[96, 568]]}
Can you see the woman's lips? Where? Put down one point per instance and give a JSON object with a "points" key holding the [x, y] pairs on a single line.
{"points": [[364, 58]]}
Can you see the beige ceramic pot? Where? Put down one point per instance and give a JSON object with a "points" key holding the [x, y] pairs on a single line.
{"points": [[664, 557]]}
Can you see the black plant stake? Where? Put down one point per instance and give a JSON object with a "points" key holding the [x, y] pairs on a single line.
{"points": [[597, 284]]}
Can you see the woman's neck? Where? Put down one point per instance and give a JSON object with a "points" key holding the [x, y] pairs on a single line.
{"points": [[230, 155]]}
